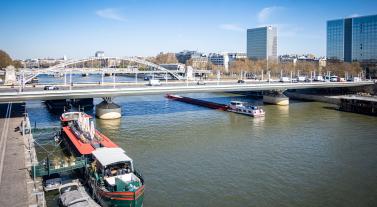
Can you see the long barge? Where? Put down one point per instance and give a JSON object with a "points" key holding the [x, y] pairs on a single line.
{"points": [[234, 106], [198, 102]]}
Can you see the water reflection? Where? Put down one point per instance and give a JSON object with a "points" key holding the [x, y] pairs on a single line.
{"points": [[113, 124], [282, 110]]}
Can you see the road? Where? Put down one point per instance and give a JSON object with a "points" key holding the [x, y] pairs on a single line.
{"points": [[122, 89]]}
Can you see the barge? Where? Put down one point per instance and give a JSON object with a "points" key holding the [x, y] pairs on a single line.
{"points": [[198, 102], [234, 106], [109, 172]]}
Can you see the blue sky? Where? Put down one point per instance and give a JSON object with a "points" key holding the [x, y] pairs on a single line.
{"points": [[36, 29]]}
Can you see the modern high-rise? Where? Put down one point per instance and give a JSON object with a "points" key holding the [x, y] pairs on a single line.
{"points": [[353, 39], [262, 43]]}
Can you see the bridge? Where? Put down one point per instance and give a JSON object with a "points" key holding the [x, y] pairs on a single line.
{"points": [[101, 65], [99, 91]]}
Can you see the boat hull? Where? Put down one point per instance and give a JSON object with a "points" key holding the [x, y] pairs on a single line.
{"points": [[248, 114], [119, 199]]}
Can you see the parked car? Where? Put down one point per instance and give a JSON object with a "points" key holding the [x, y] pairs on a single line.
{"points": [[252, 76], [51, 88], [284, 79], [318, 78], [354, 79], [341, 79], [333, 78], [308, 79], [200, 82], [154, 82], [240, 81]]}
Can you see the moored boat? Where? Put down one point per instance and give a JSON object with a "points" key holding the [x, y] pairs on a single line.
{"points": [[73, 194], [110, 173], [242, 108]]}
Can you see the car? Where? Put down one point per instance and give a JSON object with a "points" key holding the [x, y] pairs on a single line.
{"points": [[284, 79], [240, 81], [308, 79], [252, 77], [47, 88], [334, 78], [200, 82], [319, 78], [301, 79], [354, 79], [154, 82]]}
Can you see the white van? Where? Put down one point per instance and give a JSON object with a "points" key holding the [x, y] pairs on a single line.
{"points": [[318, 78], [301, 79], [285, 79], [154, 82]]}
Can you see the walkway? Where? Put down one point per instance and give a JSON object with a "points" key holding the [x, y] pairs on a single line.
{"points": [[13, 186]]}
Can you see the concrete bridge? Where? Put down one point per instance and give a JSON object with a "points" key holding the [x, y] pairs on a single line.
{"points": [[98, 91]]}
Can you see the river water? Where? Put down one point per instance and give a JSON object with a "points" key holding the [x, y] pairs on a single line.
{"points": [[304, 154]]}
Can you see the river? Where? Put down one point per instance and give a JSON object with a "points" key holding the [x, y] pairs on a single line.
{"points": [[304, 154]]}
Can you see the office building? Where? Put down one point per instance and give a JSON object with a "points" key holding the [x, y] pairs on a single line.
{"points": [[262, 43], [353, 39]]}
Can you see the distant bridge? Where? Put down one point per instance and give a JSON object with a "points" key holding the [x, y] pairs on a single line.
{"points": [[96, 92], [87, 65]]}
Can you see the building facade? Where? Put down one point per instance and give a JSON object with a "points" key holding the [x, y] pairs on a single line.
{"points": [[186, 55], [354, 39], [262, 43]]}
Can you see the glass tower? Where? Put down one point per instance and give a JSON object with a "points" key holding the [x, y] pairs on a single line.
{"points": [[262, 43], [364, 39], [352, 39]]}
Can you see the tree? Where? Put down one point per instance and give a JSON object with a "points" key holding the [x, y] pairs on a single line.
{"points": [[165, 58], [5, 59], [355, 68], [306, 67], [17, 64]]}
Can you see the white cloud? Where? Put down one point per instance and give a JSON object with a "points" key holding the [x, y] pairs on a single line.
{"points": [[353, 15], [231, 27], [267, 12], [111, 13]]}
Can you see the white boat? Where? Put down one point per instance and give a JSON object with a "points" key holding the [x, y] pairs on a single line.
{"points": [[242, 108]]}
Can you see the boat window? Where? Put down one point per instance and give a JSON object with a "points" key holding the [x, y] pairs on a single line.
{"points": [[118, 169]]}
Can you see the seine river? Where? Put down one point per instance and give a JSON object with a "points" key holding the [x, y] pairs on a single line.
{"points": [[305, 154]]}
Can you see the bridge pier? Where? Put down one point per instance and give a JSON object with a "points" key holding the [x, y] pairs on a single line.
{"points": [[276, 97], [107, 109]]}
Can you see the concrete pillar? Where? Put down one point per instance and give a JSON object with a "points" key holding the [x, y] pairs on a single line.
{"points": [[108, 110], [276, 98]]}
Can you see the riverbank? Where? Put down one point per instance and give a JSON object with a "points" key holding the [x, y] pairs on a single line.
{"points": [[362, 104], [17, 187]]}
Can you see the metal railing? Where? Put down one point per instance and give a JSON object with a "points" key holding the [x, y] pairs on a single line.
{"points": [[31, 160]]}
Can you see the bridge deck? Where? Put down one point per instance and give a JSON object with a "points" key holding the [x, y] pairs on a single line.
{"points": [[96, 91]]}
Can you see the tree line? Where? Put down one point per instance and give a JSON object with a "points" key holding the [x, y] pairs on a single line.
{"points": [[304, 68]]}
